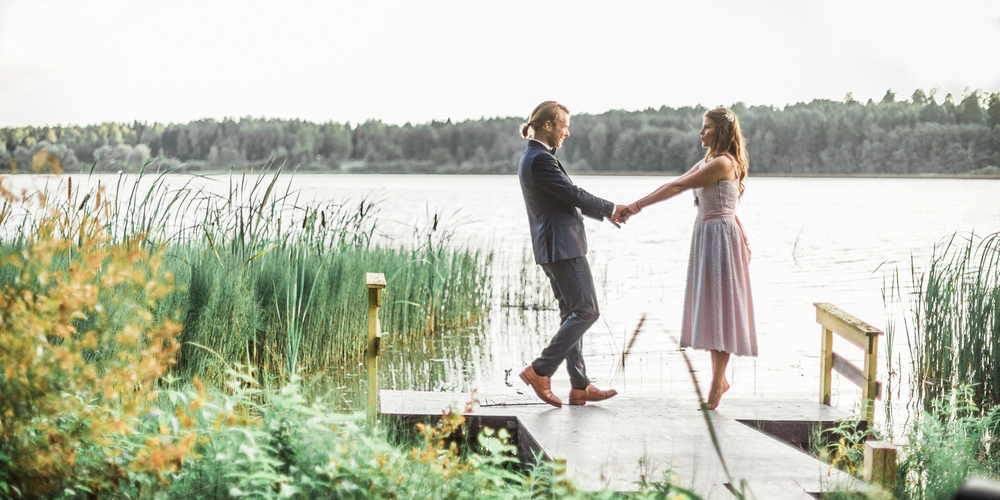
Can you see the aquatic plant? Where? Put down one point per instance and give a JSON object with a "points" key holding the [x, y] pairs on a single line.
{"points": [[948, 444], [267, 280], [956, 321]]}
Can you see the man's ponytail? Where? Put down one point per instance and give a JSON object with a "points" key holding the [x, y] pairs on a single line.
{"points": [[544, 112]]}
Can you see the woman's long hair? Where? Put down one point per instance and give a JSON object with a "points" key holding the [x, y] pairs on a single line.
{"points": [[729, 141]]}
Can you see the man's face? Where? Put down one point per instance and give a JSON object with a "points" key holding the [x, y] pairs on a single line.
{"points": [[558, 130]]}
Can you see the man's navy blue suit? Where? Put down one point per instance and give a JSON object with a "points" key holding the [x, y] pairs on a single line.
{"points": [[554, 206]]}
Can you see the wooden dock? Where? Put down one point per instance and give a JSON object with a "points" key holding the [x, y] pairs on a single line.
{"points": [[621, 442]]}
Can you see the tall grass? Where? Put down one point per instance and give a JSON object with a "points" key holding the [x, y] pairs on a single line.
{"points": [[950, 312], [242, 312], [956, 321], [268, 280]]}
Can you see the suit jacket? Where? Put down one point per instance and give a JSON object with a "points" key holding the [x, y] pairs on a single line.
{"points": [[554, 206]]}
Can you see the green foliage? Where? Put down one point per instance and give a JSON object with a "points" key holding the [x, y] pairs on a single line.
{"points": [[826, 137], [265, 280], [81, 349], [953, 326], [843, 445], [947, 445], [279, 443], [956, 335], [944, 447]]}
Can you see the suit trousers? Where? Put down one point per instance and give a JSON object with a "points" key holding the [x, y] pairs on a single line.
{"points": [[573, 285]]}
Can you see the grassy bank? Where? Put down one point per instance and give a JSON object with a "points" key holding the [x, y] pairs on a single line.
{"points": [[265, 280]]}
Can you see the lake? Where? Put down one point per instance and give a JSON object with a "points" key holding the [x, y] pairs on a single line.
{"points": [[813, 240], [831, 240]]}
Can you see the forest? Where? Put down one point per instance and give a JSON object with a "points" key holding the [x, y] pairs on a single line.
{"points": [[893, 136]]}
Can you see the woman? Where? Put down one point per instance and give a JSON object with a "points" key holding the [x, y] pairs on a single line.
{"points": [[718, 306]]}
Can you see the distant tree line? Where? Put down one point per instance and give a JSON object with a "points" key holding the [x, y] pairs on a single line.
{"points": [[912, 136]]}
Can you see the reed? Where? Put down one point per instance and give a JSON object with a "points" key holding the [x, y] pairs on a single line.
{"points": [[956, 323], [267, 280], [225, 316], [526, 287]]}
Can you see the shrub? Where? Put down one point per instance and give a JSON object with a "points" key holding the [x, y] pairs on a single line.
{"points": [[278, 443], [81, 350]]}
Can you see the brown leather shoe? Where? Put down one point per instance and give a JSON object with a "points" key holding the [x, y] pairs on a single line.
{"points": [[591, 393], [541, 385]]}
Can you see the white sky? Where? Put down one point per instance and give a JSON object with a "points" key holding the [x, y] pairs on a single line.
{"points": [[83, 62]]}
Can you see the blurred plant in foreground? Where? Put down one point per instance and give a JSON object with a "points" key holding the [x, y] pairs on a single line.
{"points": [[81, 349]]}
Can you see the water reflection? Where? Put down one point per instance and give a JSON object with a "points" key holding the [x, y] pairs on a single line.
{"points": [[480, 357]]}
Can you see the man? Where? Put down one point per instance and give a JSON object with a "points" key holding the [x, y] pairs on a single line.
{"points": [[554, 205]]}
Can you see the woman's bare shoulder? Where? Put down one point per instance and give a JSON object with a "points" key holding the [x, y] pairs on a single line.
{"points": [[724, 164]]}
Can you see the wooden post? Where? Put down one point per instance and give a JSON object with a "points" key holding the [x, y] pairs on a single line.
{"points": [[376, 285], [868, 388], [825, 366], [559, 467], [880, 464]]}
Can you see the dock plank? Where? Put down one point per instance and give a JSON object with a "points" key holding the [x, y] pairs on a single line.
{"points": [[620, 442]]}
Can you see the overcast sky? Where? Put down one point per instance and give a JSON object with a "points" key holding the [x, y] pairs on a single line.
{"points": [[83, 62]]}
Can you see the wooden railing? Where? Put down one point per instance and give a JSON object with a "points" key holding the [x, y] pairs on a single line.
{"points": [[880, 456], [835, 320], [376, 286]]}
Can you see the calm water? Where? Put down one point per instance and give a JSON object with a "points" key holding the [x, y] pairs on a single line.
{"points": [[813, 240]]}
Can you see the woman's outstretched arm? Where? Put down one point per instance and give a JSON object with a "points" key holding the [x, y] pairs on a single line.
{"points": [[714, 171]]}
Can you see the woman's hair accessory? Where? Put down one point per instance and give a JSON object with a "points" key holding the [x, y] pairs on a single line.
{"points": [[731, 117]]}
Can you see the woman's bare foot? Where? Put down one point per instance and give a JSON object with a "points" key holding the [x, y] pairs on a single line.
{"points": [[715, 395]]}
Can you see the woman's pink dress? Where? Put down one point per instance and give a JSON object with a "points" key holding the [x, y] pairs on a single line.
{"points": [[718, 305]]}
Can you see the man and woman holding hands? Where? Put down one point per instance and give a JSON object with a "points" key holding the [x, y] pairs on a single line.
{"points": [[718, 306]]}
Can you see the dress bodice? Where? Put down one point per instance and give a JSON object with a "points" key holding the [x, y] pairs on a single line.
{"points": [[720, 197]]}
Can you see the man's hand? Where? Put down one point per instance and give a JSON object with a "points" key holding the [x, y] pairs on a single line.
{"points": [[620, 215]]}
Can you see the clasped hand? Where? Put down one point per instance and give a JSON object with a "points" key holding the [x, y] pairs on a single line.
{"points": [[623, 213]]}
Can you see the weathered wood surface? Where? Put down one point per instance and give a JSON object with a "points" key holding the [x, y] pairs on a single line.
{"points": [[376, 287], [849, 327], [852, 373], [835, 320], [375, 280], [880, 464], [617, 443]]}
